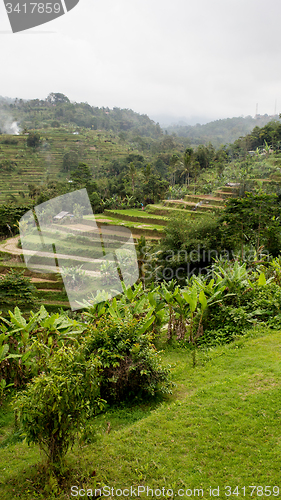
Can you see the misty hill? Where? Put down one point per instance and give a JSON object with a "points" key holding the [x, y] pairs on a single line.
{"points": [[218, 132], [57, 110], [133, 128]]}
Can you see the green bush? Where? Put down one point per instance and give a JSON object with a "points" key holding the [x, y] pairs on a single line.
{"points": [[249, 300], [33, 139], [130, 366], [218, 336], [15, 288], [10, 214], [57, 403], [223, 322], [10, 141], [27, 342]]}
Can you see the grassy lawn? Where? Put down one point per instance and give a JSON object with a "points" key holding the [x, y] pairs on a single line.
{"points": [[221, 427]]}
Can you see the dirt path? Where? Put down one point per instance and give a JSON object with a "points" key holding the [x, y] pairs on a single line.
{"points": [[40, 280], [10, 246]]}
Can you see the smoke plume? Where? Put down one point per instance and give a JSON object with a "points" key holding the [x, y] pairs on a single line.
{"points": [[8, 125]]}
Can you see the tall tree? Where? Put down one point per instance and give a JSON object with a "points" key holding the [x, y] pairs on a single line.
{"points": [[132, 174], [185, 166]]}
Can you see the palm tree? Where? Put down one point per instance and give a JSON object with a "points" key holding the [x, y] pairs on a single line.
{"points": [[186, 165], [173, 168], [132, 174], [147, 171]]}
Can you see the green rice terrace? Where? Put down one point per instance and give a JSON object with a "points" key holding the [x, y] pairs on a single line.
{"points": [[22, 166], [149, 222]]}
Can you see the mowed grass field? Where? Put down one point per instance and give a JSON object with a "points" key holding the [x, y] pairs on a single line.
{"points": [[220, 429]]}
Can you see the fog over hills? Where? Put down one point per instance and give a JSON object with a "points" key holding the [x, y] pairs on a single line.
{"points": [[167, 120], [57, 110], [218, 132]]}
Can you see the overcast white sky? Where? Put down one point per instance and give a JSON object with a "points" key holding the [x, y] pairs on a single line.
{"points": [[202, 60]]}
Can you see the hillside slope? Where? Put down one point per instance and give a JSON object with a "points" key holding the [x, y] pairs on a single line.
{"points": [[220, 429]]}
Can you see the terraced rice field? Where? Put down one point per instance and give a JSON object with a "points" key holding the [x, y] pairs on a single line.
{"points": [[21, 165], [138, 221]]}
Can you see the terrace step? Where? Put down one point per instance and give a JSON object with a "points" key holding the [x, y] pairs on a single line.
{"points": [[206, 199], [226, 194], [192, 205], [229, 189], [141, 218], [167, 210]]}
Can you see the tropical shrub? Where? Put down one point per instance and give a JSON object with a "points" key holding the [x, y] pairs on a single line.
{"points": [[57, 403], [129, 364], [74, 277], [27, 344], [253, 219], [10, 214], [16, 288], [33, 140], [250, 299]]}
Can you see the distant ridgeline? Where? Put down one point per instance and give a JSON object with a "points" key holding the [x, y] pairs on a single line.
{"points": [[57, 110], [220, 132]]}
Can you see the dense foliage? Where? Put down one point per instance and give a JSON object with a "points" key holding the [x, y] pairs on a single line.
{"points": [[71, 367], [58, 402], [246, 227], [15, 287], [129, 364], [10, 214]]}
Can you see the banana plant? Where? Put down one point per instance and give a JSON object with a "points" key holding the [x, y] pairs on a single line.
{"points": [[41, 328], [3, 387], [235, 274], [132, 304], [191, 297], [235, 278], [275, 268], [4, 356], [199, 295], [4, 348], [168, 292], [213, 289], [95, 311], [204, 304], [18, 328], [181, 315], [159, 309], [41, 325]]}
